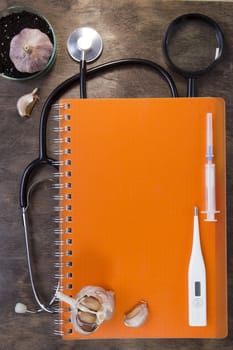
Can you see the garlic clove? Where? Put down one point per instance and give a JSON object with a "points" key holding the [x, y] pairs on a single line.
{"points": [[81, 325], [86, 317], [30, 50], [137, 316], [86, 328], [26, 103], [90, 302]]}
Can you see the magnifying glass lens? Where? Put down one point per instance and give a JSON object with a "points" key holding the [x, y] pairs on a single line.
{"points": [[192, 45]]}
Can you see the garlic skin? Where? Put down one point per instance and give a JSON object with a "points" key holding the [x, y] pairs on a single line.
{"points": [[30, 50], [137, 316], [26, 103], [91, 307]]}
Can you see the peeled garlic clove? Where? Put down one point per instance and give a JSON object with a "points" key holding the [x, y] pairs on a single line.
{"points": [[30, 50], [26, 103], [137, 316]]}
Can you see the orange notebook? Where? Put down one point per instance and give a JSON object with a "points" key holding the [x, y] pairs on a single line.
{"points": [[133, 170]]}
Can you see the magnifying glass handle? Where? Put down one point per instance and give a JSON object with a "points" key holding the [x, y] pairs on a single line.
{"points": [[83, 91], [191, 87]]}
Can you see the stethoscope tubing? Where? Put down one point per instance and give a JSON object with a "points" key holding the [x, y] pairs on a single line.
{"points": [[28, 255], [43, 158], [83, 78], [91, 72]]}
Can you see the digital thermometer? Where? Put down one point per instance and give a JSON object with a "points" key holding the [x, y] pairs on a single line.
{"points": [[196, 280]]}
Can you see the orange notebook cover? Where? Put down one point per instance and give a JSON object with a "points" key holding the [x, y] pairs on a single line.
{"points": [[135, 169]]}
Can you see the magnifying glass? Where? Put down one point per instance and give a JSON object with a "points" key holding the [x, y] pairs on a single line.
{"points": [[192, 45], [84, 45]]}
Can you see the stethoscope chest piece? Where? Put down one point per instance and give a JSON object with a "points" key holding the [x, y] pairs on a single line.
{"points": [[84, 43]]}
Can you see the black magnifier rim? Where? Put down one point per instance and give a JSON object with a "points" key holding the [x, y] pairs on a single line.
{"points": [[170, 30]]}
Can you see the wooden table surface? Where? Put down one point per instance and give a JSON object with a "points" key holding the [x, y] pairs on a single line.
{"points": [[129, 29]]}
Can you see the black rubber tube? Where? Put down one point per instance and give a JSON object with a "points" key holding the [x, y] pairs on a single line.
{"points": [[59, 91]]}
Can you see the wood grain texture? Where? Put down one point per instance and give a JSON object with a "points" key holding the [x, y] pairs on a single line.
{"points": [[129, 29]]}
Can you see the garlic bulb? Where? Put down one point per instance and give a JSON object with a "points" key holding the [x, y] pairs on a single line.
{"points": [[91, 307], [30, 50], [137, 316], [26, 103]]}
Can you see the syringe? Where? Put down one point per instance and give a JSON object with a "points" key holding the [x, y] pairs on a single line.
{"points": [[210, 189]]}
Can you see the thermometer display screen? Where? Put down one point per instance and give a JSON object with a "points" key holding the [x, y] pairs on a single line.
{"points": [[197, 288]]}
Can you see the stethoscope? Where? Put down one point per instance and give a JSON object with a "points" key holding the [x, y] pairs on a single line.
{"points": [[85, 45]]}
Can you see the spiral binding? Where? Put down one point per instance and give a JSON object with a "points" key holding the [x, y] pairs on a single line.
{"points": [[63, 213]]}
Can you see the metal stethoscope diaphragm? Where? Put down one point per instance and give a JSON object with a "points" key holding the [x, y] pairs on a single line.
{"points": [[84, 45]]}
